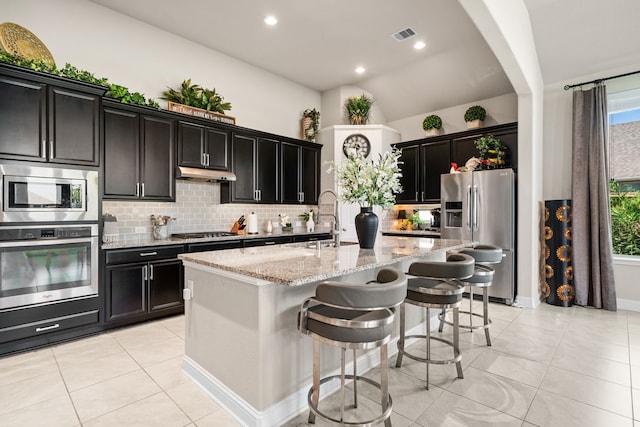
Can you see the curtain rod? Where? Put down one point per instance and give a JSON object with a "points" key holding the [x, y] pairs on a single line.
{"points": [[567, 87]]}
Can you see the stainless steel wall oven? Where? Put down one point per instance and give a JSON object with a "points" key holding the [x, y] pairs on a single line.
{"points": [[41, 264]]}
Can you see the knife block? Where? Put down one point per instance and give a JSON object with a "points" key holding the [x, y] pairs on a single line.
{"points": [[236, 228]]}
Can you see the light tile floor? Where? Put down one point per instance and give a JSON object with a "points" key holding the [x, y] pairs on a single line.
{"points": [[548, 366]]}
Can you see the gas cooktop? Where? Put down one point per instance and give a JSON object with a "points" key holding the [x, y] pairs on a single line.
{"points": [[202, 234]]}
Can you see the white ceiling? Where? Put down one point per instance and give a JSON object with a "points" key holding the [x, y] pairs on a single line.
{"points": [[319, 44]]}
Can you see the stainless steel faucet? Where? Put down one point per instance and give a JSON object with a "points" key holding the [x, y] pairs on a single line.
{"points": [[335, 229]]}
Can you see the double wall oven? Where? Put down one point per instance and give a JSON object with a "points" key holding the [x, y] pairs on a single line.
{"points": [[48, 235]]}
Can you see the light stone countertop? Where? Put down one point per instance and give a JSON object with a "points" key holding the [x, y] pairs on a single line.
{"points": [[297, 264]]}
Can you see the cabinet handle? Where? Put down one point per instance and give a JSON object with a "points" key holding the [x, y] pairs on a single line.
{"points": [[207, 155], [44, 149], [151, 274], [417, 195], [144, 273], [269, 243], [259, 195], [422, 195], [51, 153], [142, 185], [47, 328], [203, 158], [148, 253], [137, 189]]}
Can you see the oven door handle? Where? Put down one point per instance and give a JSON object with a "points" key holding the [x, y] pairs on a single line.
{"points": [[45, 242]]}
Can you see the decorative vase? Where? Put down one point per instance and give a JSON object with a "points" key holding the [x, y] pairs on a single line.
{"points": [[366, 227], [474, 124], [310, 225], [432, 132], [305, 127]]}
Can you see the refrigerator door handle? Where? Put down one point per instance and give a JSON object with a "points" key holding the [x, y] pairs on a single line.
{"points": [[476, 208], [469, 208]]}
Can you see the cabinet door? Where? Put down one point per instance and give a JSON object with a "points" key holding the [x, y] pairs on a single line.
{"points": [[191, 145], [509, 138], [435, 161], [291, 173], [410, 179], [268, 166], [121, 154], [310, 175], [158, 161], [23, 118], [217, 149], [126, 291], [74, 127], [243, 164], [462, 149], [165, 285]]}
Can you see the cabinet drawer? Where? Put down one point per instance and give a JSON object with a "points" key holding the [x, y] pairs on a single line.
{"points": [[213, 246], [312, 238], [248, 243], [122, 256], [48, 326]]}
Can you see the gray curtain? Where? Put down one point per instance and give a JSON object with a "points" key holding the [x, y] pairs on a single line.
{"points": [[591, 234]]}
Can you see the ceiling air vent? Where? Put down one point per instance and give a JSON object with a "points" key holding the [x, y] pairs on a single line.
{"points": [[404, 34]]}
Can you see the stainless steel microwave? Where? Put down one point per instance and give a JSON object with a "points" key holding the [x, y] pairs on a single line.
{"points": [[47, 194]]}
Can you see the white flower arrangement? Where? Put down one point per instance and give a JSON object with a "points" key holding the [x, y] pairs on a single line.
{"points": [[373, 183], [284, 220]]}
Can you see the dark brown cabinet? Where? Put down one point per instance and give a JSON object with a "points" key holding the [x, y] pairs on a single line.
{"points": [[424, 160], [300, 173], [139, 154], [143, 284], [255, 161], [202, 146], [47, 120]]}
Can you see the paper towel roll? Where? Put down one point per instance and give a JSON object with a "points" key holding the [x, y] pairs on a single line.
{"points": [[252, 223]]}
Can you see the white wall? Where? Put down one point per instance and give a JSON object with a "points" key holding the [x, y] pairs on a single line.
{"points": [[500, 109], [147, 60]]}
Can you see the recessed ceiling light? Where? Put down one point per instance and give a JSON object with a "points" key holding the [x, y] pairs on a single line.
{"points": [[271, 20], [360, 70], [419, 45]]}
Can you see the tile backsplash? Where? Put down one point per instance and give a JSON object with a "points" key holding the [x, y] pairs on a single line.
{"points": [[197, 208]]}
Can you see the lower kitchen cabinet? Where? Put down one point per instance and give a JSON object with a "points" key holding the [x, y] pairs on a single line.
{"points": [[143, 284]]}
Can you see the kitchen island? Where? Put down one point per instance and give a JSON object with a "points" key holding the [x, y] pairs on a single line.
{"points": [[241, 340]]}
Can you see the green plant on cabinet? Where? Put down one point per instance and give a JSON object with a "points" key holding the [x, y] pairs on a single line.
{"points": [[197, 96]]}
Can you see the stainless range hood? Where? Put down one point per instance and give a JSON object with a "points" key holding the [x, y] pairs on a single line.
{"points": [[205, 174]]}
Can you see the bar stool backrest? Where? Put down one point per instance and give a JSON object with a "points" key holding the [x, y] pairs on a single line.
{"points": [[484, 254], [458, 266], [388, 291]]}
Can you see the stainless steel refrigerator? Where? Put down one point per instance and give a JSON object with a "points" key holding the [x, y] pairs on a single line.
{"points": [[480, 206]]}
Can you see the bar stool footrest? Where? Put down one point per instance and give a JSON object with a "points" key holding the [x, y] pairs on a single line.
{"points": [[380, 418], [462, 325], [456, 359]]}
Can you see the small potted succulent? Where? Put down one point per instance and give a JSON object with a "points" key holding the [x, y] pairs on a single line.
{"points": [[358, 109], [474, 116], [431, 125]]}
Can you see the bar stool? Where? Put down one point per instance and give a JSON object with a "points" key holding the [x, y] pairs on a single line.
{"points": [[485, 256], [353, 316], [437, 286]]}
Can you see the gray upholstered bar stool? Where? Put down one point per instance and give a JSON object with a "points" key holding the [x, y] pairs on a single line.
{"points": [[438, 286], [485, 256], [353, 316]]}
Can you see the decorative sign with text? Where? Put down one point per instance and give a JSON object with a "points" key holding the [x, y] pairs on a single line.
{"points": [[198, 112]]}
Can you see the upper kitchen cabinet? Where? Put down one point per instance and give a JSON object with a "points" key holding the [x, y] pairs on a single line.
{"points": [[300, 173], [48, 119], [255, 161], [139, 153], [202, 146], [422, 165], [424, 160]]}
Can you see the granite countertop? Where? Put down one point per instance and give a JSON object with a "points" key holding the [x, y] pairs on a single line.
{"points": [[148, 241], [297, 264]]}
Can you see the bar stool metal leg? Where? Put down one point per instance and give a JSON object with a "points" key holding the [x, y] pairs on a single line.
{"points": [[401, 337], [428, 358], [315, 397], [384, 382], [485, 312], [456, 340], [355, 381]]}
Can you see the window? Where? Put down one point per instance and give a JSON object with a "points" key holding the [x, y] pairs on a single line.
{"points": [[624, 170]]}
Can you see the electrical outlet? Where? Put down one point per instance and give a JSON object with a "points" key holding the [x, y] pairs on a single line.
{"points": [[140, 230]]}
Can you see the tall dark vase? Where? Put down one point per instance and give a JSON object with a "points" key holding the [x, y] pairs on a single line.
{"points": [[366, 227]]}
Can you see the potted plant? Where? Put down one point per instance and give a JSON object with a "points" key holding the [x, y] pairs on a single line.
{"points": [[197, 101], [358, 109], [431, 125], [474, 116], [310, 123], [368, 183], [491, 152]]}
